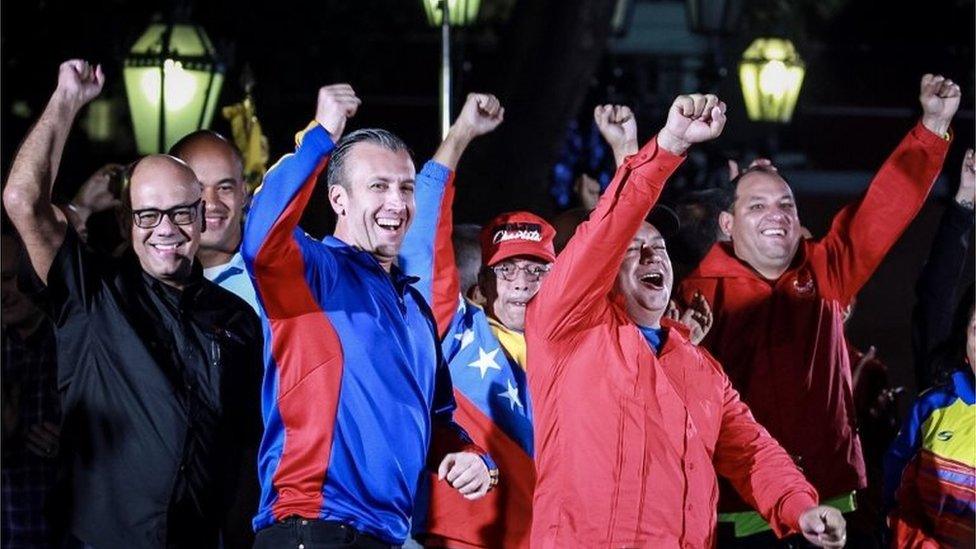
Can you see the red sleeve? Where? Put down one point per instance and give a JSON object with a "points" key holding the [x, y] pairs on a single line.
{"points": [[758, 467], [863, 232], [446, 282], [584, 273]]}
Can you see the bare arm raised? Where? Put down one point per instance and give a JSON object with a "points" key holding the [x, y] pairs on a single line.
{"points": [[27, 195]]}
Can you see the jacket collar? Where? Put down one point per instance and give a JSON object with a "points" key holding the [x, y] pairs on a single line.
{"points": [[721, 262]]}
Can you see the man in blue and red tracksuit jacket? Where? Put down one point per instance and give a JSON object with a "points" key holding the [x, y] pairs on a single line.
{"points": [[484, 346], [357, 398]]}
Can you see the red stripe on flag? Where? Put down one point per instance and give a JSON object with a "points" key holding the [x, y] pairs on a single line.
{"points": [[503, 518]]}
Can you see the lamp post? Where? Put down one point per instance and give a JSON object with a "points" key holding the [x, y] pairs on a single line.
{"points": [[445, 14], [172, 81], [771, 74]]}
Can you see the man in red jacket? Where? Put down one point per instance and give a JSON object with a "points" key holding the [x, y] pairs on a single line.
{"points": [[632, 421], [778, 302]]}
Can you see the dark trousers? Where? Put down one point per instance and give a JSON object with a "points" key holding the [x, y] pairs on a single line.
{"points": [[300, 533]]}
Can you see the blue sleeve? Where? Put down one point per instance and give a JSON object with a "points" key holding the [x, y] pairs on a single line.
{"points": [[903, 449], [417, 253], [274, 247]]}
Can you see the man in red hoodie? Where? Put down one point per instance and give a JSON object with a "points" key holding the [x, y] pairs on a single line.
{"points": [[778, 302], [632, 421]]}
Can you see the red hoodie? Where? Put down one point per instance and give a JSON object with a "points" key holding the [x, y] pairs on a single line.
{"points": [[628, 444], [782, 342]]}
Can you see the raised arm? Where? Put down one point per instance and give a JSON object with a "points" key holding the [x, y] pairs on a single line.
{"points": [[863, 232], [584, 273], [272, 245], [427, 251], [938, 284], [618, 126], [27, 195]]}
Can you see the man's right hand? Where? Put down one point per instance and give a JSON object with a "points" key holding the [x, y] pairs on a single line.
{"points": [[966, 195], [79, 83], [481, 114], [939, 97], [694, 118], [336, 104], [618, 126]]}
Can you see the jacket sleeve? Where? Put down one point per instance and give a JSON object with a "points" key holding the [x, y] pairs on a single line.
{"points": [[758, 467], [274, 248], [903, 449], [584, 273], [863, 232], [937, 287], [427, 250]]}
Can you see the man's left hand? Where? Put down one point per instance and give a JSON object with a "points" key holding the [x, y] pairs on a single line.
{"points": [[467, 473], [824, 526]]}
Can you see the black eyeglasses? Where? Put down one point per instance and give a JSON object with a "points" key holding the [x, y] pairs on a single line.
{"points": [[148, 218], [509, 271]]}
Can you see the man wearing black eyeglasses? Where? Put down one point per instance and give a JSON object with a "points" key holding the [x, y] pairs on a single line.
{"points": [[158, 444]]}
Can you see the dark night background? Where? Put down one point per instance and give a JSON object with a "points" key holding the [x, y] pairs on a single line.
{"points": [[549, 61]]}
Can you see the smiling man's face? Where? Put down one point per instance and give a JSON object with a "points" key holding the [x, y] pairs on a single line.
{"points": [[219, 169], [645, 277], [165, 251], [377, 204], [764, 225]]}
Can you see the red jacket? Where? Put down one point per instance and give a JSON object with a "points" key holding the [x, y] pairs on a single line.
{"points": [[782, 342], [628, 444]]}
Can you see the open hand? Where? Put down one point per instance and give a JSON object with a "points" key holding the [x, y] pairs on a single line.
{"points": [[97, 194]]}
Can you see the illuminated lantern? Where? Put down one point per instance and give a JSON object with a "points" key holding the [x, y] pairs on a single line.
{"points": [[771, 74], [172, 81]]}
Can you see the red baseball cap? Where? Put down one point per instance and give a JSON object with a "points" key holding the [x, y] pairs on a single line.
{"points": [[517, 233]]}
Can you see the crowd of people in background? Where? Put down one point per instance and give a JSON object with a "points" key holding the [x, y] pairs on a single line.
{"points": [[213, 376]]}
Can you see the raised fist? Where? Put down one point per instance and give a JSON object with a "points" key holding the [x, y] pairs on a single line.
{"points": [[618, 126], [336, 104], [692, 119], [939, 97], [481, 114], [79, 82]]}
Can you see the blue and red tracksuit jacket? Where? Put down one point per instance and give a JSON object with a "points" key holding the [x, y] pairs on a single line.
{"points": [[489, 385], [357, 398]]}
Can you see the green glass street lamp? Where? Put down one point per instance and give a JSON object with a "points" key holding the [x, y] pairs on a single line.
{"points": [[771, 74], [446, 14], [172, 80]]}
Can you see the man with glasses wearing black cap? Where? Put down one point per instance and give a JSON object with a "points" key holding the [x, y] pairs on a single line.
{"points": [[157, 442], [632, 420]]}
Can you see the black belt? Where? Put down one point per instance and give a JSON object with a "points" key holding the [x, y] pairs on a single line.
{"points": [[333, 531]]}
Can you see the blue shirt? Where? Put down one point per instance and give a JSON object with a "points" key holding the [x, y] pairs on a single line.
{"points": [[232, 276], [655, 337]]}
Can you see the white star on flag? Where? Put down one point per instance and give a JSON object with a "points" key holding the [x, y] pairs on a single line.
{"points": [[485, 362], [465, 338], [512, 395]]}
